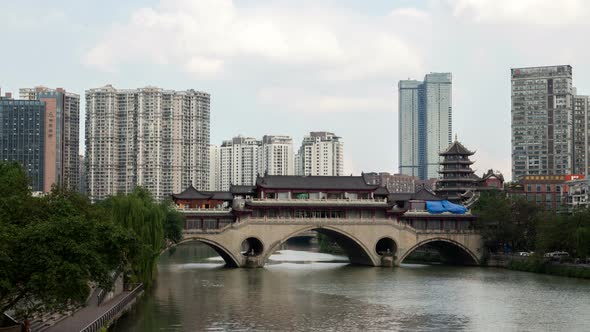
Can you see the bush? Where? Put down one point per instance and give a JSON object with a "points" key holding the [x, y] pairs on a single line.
{"points": [[538, 265]]}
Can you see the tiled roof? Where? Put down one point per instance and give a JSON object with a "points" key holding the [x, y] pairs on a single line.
{"points": [[421, 195], [314, 182], [192, 193], [236, 189], [456, 148]]}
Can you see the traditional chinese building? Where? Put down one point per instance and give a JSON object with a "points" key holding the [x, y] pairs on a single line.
{"points": [[457, 177], [297, 199], [205, 209]]}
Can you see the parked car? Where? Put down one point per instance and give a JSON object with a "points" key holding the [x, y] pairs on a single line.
{"points": [[524, 254], [557, 254]]}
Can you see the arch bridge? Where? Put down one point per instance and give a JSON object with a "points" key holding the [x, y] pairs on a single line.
{"points": [[374, 227], [386, 243]]}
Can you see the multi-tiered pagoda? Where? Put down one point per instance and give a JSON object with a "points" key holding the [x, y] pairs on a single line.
{"points": [[457, 177]]}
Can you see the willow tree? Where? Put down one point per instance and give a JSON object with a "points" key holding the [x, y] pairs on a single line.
{"points": [[141, 214]]}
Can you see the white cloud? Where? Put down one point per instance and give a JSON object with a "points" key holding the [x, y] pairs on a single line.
{"points": [[411, 13], [204, 37], [544, 12]]}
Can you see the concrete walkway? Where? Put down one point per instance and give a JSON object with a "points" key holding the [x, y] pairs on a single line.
{"points": [[86, 315]]}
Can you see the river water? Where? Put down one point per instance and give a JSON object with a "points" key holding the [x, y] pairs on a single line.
{"points": [[303, 291]]}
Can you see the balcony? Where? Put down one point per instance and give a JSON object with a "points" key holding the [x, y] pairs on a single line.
{"points": [[318, 202], [214, 210]]}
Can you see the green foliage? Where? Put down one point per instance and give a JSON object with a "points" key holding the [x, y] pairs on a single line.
{"points": [[173, 223], [538, 265], [525, 226], [329, 246], [139, 213], [504, 220], [533, 264], [52, 247]]}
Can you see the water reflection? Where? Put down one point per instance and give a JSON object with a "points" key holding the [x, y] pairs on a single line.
{"points": [[303, 292]]}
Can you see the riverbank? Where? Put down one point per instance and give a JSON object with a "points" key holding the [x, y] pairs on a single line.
{"points": [[559, 269], [540, 265]]}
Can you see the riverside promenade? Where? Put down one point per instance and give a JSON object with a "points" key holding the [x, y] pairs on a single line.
{"points": [[94, 316]]}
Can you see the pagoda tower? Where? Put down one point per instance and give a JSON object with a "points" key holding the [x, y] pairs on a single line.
{"points": [[456, 175]]}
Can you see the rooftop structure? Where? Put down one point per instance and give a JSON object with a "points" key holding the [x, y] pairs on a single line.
{"points": [[457, 177]]}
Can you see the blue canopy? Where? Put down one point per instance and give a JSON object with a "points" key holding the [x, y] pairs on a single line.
{"points": [[444, 206], [454, 208]]}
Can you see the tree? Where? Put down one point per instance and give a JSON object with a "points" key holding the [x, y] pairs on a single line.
{"points": [[506, 221], [53, 247], [139, 213], [173, 223]]}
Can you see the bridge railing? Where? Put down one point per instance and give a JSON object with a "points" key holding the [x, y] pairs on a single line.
{"points": [[446, 231], [116, 309], [209, 210]]}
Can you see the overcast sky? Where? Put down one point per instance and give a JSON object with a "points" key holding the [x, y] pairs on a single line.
{"points": [[290, 67]]}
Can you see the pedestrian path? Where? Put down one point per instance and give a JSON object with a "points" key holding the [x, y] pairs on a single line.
{"points": [[86, 315]]}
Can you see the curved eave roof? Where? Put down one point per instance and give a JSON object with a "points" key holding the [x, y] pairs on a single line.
{"points": [[192, 193], [457, 148]]}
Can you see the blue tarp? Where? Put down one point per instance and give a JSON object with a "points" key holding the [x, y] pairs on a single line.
{"points": [[435, 207], [444, 206], [454, 208]]}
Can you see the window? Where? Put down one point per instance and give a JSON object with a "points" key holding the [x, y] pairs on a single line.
{"points": [[538, 188]]}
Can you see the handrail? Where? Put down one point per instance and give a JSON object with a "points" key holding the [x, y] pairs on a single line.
{"points": [[320, 200], [100, 296], [214, 209], [101, 321]]}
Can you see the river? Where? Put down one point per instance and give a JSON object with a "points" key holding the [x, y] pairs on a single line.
{"points": [[304, 291]]}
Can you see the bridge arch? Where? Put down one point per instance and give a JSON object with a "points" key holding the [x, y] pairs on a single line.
{"points": [[356, 250], [229, 259], [461, 252], [386, 246]]}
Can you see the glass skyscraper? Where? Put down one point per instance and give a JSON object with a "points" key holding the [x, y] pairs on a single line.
{"points": [[425, 124], [22, 137]]}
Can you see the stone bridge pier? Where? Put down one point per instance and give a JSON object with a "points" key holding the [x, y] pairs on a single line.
{"points": [[250, 244]]}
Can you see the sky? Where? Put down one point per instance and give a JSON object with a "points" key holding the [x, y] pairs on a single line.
{"points": [[290, 67]]}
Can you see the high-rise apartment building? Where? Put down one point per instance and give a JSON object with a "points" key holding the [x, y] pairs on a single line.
{"points": [[22, 136], [277, 155], [240, 160], [580, 134], [425, 123], [214, 167], [62, 141], [149, 137], [542, 121], [321, 153]]}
